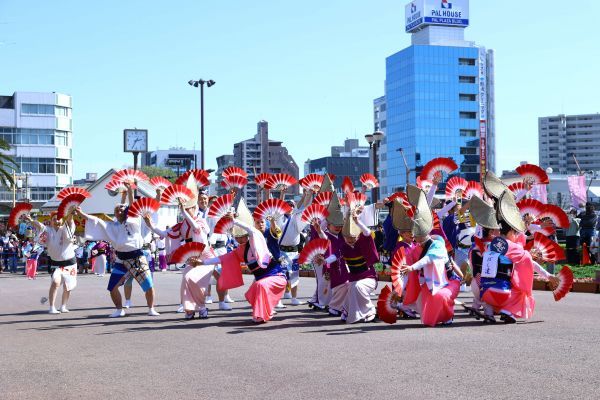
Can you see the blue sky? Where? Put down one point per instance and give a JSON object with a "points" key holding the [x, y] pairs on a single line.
{"points": [[311, 68]]}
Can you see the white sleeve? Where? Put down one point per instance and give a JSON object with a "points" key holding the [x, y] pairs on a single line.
{"points": [[95, 229], [364, 229], [422, 263], [443, 212], [367, 216], [431, 194], [331, 258], [541, 270]]}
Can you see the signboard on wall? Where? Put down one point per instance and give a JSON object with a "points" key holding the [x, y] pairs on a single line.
{"points": [[482, 111], [421, 13]]}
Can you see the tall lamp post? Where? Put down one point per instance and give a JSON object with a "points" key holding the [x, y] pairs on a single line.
{"points": [[374, 139], [201, 83]]}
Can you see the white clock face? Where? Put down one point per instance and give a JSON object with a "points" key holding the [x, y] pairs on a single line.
{"points": [[135, 141]]}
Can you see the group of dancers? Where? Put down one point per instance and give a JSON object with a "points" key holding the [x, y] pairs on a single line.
{"points": [[480, 231]]}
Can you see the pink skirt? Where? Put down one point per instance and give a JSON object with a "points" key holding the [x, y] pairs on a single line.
{"points": [[436, 309], [520, 304], [194, 285], [31, 268], [454, 287], [263, 296], [496, 298]]}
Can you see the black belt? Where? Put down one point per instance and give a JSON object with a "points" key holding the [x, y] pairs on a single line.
{"points": [[63, 263], [358, 270], [129, 255], [219, 244], [288, 249], [161, 249]]}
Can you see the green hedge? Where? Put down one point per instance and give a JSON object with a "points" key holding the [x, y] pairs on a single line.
{"points": [[581, 271]]}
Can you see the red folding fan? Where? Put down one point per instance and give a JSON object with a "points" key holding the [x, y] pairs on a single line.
{"points": [[387, 304], [314, 211], [518, 188], [533, 174], [117, 186], [355, 200], [565, 277], [173, 193], [473, 189], [221, 206], [323, 198], [532, 207], [549, 250], [441, 164], [271, 208], [312, 249], [129, 175], [547, 231], [223, 225], [142, 207], [159, 182], [556, 214], [234, 182], [423, 183], [402, 196], [70, 202], [398, 260], [312, 182], [369, 181], [347, 185], [234, 171], [455, 184], [18, 211], [200, 176], [261, 179], [71, 190], [187, 251], [280, 182]]}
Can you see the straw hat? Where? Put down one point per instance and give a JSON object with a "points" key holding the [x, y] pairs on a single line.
{"points": [[350, 229], [493, 186], [483, 214], [191, 184], [423, 219], [335, 217], [400, 219], [509, 212], [243, 215], [327, 185]]}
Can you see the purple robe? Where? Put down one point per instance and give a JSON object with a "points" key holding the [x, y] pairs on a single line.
{"points": [[338, 272], [363, 253]]}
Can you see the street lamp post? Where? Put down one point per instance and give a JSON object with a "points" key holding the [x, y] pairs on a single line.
{"points": [[201, 83], [374, 140]]}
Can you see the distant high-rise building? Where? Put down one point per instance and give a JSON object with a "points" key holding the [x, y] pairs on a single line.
{"points": [[568, 140], [38, 126], [439, 97], [177, 159]]}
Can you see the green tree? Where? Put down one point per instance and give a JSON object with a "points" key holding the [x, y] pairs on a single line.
{"points": [[159, 171], [7, 165]]}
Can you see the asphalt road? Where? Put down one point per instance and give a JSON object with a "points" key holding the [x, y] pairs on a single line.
{"points": [[299, 355]]}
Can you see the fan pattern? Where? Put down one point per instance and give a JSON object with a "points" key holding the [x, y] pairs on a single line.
{"points": [[548, 250], [143, 207], [312, 249], [440, 164], [223, 225], [455, 184], [271, 208], [71, 190], [369, 181], [533, 174], [473, 189], [159, 182], [312, 182], [387, 304], [565, 277], [18, 211], [221, 206], [67, 205], [314, 211], [187, 251], [173, 193]]}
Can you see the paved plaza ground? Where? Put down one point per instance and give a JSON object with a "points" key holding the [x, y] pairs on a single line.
{"points": [[299, 355]]}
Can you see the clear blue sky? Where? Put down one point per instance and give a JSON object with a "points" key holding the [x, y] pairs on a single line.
{"points": [[311, 68]]}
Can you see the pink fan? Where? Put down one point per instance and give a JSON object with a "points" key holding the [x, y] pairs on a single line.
{"points": [[224, 225], [70, 202], [142, 207], [117, 186], [173, 193], [387, 303], [347, 186], [473, 189], [312, 182], [221, 206], [18, 211], [518, 188], [533, 174], [200, 176], [556, 214], [355, 200], [234, 182], [314, 211], [455, 184], [398, 260], [441, 164], [280, 182], [312, 249], [72, 190], [323, 198], [565, 277], [369, 181], [159, 182], [234, 171], [187, 251], [261, 179], [532, 207], [271, 208], [129, 175], [548, 250]]}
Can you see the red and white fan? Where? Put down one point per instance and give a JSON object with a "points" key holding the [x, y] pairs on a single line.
{"points": [[347, 185], [438, 165], [160, 183], [187, 251], [519, 189], [387, 305], [223, 225], [173, 193], [355, 200], [424, 184], [18, 211], [532, 207], [473, 189], [369, 181], [532, 173], [455, 184], [143, 207], [261, 179], [129, 175], [271, 208], [234, 171], [117, 186], [70, 202], [547, 249], [221, 206], [565, 283], [556, 214], [71, 190], [402, 196], [323, 198], [280, 182], [314, 248], [398, 260], [200, 176], [234, 182], [314, 211], [547, 230], [312, 182]]}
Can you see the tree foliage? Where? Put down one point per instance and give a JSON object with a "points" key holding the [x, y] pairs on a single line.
{"points": [[7, 165], [159, 171]]}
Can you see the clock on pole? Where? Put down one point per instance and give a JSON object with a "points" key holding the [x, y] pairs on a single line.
{"points": [[135, 141]]}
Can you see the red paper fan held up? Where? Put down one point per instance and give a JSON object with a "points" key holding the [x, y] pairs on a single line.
{"points": [[72, 190], [143, 207], [312, 249], [67, 205], [223, 225], [261, 179], [271, 208], [550, 251], [221, 206], [369, 181], [187, 251], [398, 260], [18, 211], [533, 174], [159, 182], [323, 198], [129, 175], [173, 193], [565, 283], [314, 211], [347, 186], [200, 176], [386, 305], [473, 189], [441, 164], [455, 184]]}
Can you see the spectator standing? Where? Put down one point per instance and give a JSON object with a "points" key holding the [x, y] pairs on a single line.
{"points": [[572, 235], [587, 225]]}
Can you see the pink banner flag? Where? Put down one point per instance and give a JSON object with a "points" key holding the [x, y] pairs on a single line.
{"points": [[578, 190], [540, 193]]}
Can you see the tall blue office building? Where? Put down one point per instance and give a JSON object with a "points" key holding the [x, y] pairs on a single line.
{"points": [[439, 97]]}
